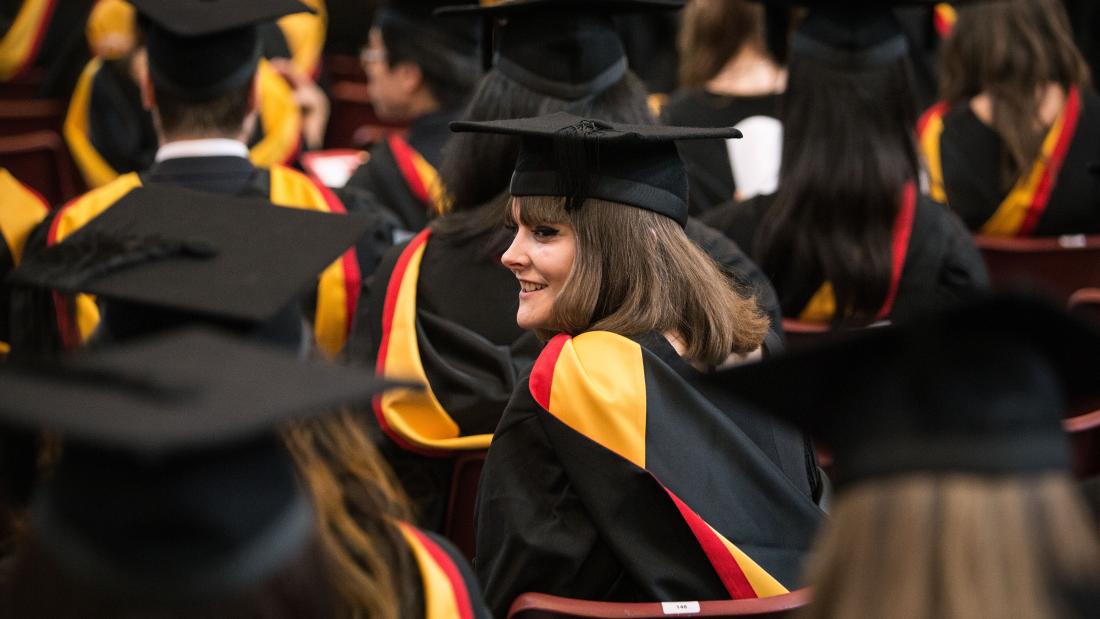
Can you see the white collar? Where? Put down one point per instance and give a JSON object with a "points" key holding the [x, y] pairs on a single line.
{"points": [[209, 147]]}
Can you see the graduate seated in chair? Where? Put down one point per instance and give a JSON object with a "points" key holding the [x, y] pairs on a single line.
{"points": [[847, 238], [174, 493], [110, 127], [620, 471], [1009, 146], [200, 83], [421, 70], [951, 467]]}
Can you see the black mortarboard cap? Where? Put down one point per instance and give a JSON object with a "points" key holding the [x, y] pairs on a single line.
{"points": [[979, 389], [238, 259], [568, 49], [580, 158], [173, 483], [849, 34], [199, 49]]}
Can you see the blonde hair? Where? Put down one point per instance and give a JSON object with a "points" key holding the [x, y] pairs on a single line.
{"points": [[636, 273], [358, 504], [955, 546]]}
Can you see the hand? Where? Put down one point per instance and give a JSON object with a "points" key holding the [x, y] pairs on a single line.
{"points": [[311, 100]]}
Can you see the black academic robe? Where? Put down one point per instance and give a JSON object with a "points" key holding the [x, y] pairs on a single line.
{"points": [[466, 347], [401, 171], [941, 264], [621, 473], [57, 47], [223, 175], [119, 127], [469, 350], [710, 176], [21, 210], [448, 588], [1057, 193]]}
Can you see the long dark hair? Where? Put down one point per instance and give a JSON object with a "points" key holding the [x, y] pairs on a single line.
{"points": [[848, 150], [1011, 50], [477, 167]]}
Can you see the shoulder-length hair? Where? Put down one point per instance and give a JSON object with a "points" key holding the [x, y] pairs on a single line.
{"points": [[848, 150], [1011, 50], [956, 545], [713, 32], [635, 272]]}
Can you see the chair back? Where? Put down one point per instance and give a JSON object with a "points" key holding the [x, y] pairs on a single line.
{"points": [[23, 87], [543, 606], [25, 116], [1055, 266], [801, 334], [1086, 303], [40, 161], [465, 479], [1084, 441]]}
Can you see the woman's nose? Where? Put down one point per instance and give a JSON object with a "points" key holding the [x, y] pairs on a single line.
{"points": [[515, 258]]}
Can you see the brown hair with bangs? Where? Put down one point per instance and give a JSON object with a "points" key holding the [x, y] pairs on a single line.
{"points": [[636, 272]]}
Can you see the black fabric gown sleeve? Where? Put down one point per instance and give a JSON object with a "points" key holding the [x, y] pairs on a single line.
{"points": [[119, 128], [533, 532], [744, 273], [33, 318], [473, 587], [381, 177], [942, 266]]}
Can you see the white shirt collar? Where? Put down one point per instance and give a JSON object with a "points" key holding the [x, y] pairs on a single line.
{"points": [[210, 147]]}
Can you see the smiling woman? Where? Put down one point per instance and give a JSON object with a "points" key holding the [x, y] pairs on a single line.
{"points": [[591, 488]]}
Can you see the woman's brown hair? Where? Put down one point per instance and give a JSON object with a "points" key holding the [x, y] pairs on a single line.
{"points": [[713, 32], [635, 272], [1012, 51], [358, 505], [956, 546]]}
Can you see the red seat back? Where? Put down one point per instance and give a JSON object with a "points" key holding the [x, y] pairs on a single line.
{"points": [[344, 68], [542, 606], [18, 117], [23, 87], [40, 161], [1084, 440], [1086, 303], [459, 524], [1056, 266], [801, 334]]}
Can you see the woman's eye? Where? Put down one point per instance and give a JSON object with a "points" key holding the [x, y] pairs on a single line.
{"points": [[545, 232]]}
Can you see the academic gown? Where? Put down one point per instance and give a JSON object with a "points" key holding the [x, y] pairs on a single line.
{"points": [[332, 312], [443, 312], [447, 586], [941, 264], [48, 35], [710, 175], [402, 172], [21, 209], [621, 473], [109, 132], [1057, 194]]}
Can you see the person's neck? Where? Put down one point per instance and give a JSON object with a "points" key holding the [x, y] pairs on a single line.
{"points": [[188, 137], [750, 73], [1051, 98]]}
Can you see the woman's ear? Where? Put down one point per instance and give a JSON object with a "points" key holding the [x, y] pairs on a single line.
{"points": [[139, 71]]}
